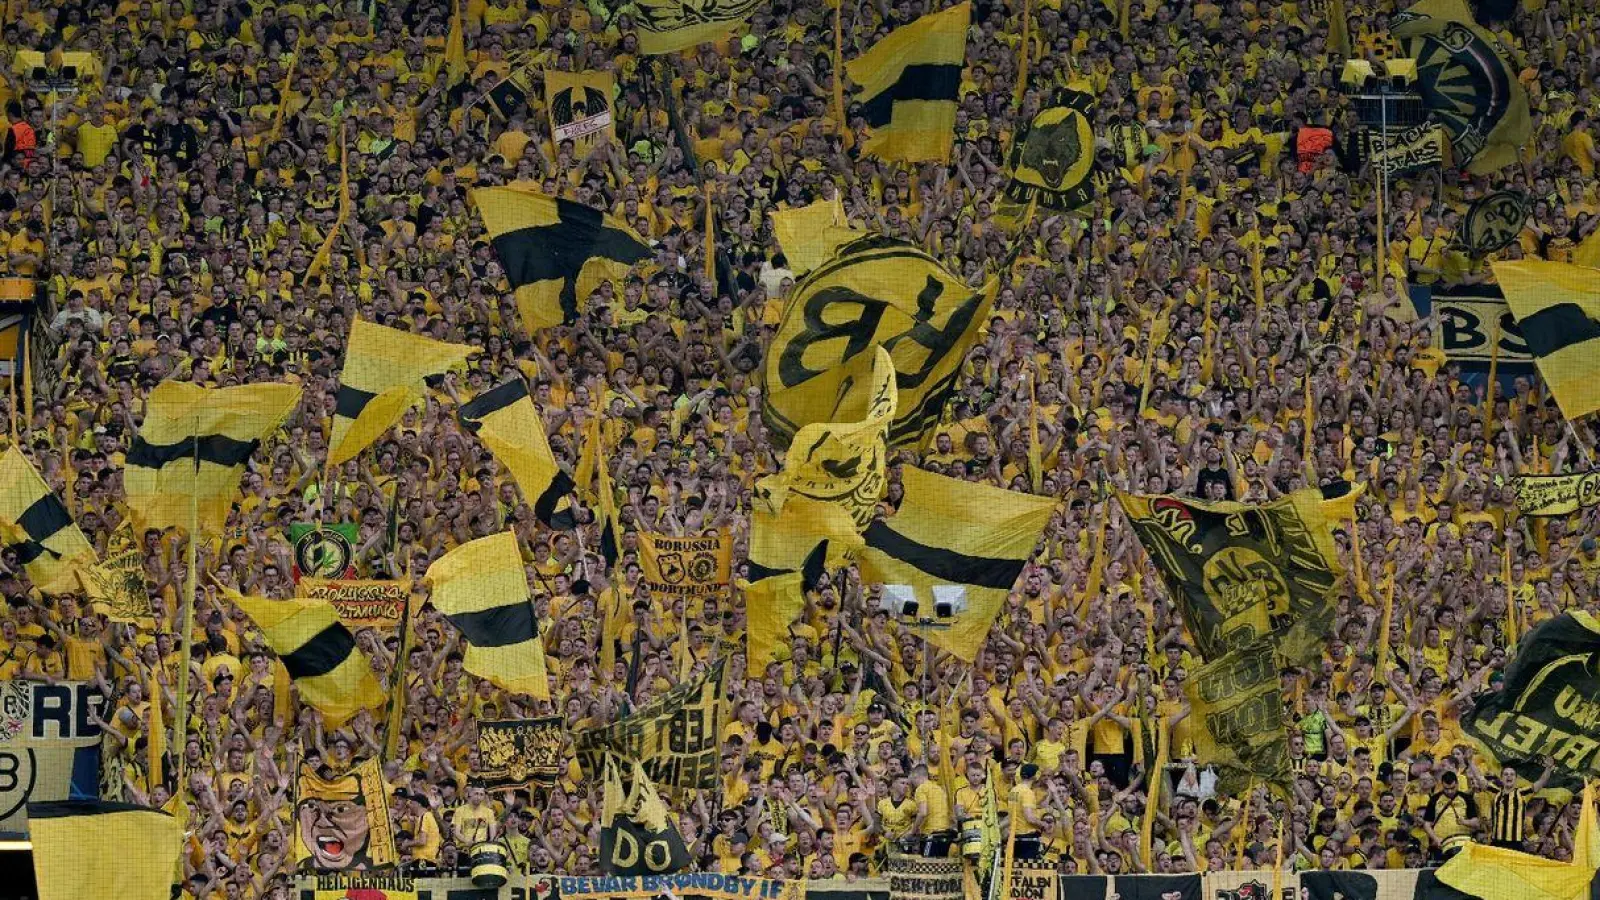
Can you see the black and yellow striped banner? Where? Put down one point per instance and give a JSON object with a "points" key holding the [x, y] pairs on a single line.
{"points": [[382, 377], [482, 588], [48, 544], [508, 423]]}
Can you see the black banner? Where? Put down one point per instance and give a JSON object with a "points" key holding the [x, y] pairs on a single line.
{"points": [[520, 752], [674, 735]]}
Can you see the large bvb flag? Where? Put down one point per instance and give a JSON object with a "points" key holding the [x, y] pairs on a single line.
{"points": [[1242, 573], [872, 292], [636, 835], [1547, 706], [382, 377], [85, 849], [192, 446], [954, 532], [482, 589], [1466, 82], [331, 672], [507, 422], [910, 84], [1557, 306], [554, 252], [42, 534], [1239, 724]]}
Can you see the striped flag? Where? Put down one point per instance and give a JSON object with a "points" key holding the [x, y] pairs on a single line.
{"points": [[42, 534], [319, 652], [910, 87], [382, 377], [1557, 306], [507, 422], [482, 588]]}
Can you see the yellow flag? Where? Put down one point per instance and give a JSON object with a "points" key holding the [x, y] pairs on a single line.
{"points": [[508, 423], [94, 848], [1496, 873], [40, 531], [580, 107], [588, 459], [1557, 306], [781, 541], [809, 235], [325, 252], [910, 87], [382, 377], [771, 604], [951, 533], [193, 444], [331, 673], [482, 588], [156, 737], [455, 45]]}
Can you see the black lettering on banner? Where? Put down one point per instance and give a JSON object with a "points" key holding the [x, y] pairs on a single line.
{"points": [[10, 763]]}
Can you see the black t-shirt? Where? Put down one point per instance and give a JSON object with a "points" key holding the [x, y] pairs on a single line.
{"points": [[1211, 474]]}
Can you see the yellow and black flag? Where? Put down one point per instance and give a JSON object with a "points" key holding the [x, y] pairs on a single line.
{"points": [[330, 671], [910, 85], [382, 377], [508, 423], [96, 848], [192, 446], [637, 836], [1557, 306], [482, 588], [810, 235], [1052, 158], [42, 534], [1243, 573], [1467, 84], [554, 252], [774, 600], [663, 26], [1556, 495], [1239, 724], [953, 533], [873, 292]]}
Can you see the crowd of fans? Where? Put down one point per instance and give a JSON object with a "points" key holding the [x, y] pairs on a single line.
{"points": [[173, 205]]}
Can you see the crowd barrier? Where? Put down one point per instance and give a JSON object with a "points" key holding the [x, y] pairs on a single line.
{"points": [[1380, 884]]}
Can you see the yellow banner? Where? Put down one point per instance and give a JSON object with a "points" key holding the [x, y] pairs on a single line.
{"points": [[676, 735], [342, 824], [364, 887], [361, 604], [686, 566], [117, 587], [1556, 495], [580, 107]]}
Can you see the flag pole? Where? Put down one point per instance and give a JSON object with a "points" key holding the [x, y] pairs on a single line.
{"points": [[187, 637], [838, 66], [397, 690]]}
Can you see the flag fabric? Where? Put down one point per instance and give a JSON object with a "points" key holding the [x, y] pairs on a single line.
{"points": [[610, 521], [520, 753], [455, 45], [360, 604], [554, 252], [102, 849], [1242, 573], [688, 566], [1557, 306], [588, 459], [341, 822], [47, 728], [510, 95], [677, 735], [1496, 873], [383, 376], [636, 835], [1546, 707], [1470, 316], [1467, 83], [325, 252], [1339, 500], [1404, 151], [39, 529], [192, 446], [1493, 222], [843, 462], [580, 107], [482, 588], [506, 421], [810, 235], [873, 292], [781, 542], [772, 604], [117, 587], [1239, 723], [664, 26], [1556, 495], [1052, 159], [331, 673], [954, 532], [910, 87]]}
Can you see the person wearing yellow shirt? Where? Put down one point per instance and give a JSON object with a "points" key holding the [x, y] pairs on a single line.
{"points": [[933, 813], [1028, 823], [896, 816]]}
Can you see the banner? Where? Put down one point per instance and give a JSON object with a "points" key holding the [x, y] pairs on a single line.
{"points": [[49, 747], [1052, 158], [342, 823], [520, 752], [361, 604], [580, 107], [712, 885], [323, 551], [1556, 495], [667, 25], [922, 878], [364, 887], [873, 292], [1409, 150], [637, 836], [676, 735], [1241, 573], [117, 587], [1238, 717], [686, 566], [1548, 706], [1033, 879], [1468, 316]]}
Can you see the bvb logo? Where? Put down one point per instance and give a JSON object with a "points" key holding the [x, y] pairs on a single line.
{"points": [[702, 568], [16, 702], [1238, 579], [671, 566], [1494, 222], [322, 553]]}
